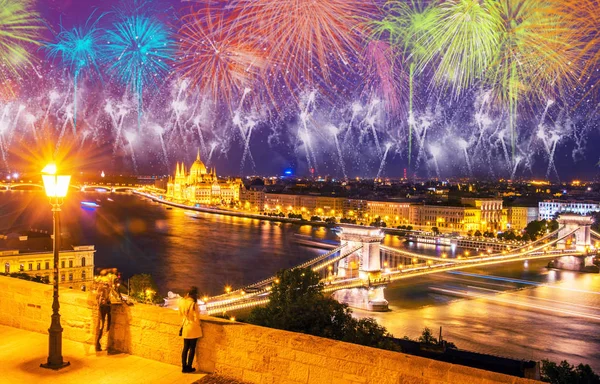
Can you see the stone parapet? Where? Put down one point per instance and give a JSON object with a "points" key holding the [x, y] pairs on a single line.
{"points": [[244, 352]]}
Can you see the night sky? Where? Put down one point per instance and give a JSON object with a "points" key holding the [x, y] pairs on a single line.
{"points": [[267, 101]]}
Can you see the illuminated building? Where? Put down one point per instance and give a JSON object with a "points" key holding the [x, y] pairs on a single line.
{"points": [[491, 216], [447, 218], [33, 256], [518, 217], [252, 199], [202, 186], [549, 209], [392, 213]]}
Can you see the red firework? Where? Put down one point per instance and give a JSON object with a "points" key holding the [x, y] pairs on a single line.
{"points": [[220, 60], [384, 77], [310, 43]]}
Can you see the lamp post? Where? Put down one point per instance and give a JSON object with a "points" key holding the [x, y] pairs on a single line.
{"points": [[56, 187]]}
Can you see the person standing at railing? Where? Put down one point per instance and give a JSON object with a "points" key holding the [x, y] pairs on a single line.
{"points": [[190, 330]]}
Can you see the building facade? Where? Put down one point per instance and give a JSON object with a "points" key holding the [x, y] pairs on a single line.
{"points": [[447, 218], [252, 199], [549, 209], [202, 186], [517, 218], [75, 268], [491, 216], [392, 213]]}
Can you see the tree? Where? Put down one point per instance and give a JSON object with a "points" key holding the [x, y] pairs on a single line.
{"points": [[143, 288], [330, 220], [435, 230], [297, 304], [427, 337], [477, 233], [565, 373]]}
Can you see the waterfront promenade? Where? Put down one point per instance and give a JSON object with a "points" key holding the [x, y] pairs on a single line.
{"points": [[21, 353]]}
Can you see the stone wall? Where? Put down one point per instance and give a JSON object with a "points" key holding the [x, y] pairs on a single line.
{"points": [[244, 352]]}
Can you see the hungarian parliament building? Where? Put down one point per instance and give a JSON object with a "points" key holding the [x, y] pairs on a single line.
{"points": [[202, 186]]}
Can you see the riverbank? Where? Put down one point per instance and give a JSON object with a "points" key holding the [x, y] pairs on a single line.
{"points": [[233, 213]]}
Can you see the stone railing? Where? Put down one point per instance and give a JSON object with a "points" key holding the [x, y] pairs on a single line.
{"points": [[240, 351]]}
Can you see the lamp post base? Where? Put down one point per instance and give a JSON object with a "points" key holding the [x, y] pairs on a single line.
{"points": [[55, 367]]}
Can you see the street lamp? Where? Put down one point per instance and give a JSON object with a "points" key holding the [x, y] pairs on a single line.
{"points": [[56, 187]]}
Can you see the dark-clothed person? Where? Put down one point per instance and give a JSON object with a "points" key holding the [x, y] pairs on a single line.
{"points": [[104, 312]]}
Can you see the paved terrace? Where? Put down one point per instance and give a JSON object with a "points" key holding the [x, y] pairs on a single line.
{"points": [[21, 353]]}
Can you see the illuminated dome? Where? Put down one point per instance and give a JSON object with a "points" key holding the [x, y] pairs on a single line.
{"points": [[198, 167]]}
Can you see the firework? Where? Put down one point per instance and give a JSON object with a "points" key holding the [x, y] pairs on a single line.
{"points": [[310, 44], [384, 75], [138, 52], [460, 42], [19, 29], [78, 49], [536, 56], [405, 26], [216, 58], [585, 15]]}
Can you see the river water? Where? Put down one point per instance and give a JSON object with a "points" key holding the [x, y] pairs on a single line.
{"points": [[520, 310]]}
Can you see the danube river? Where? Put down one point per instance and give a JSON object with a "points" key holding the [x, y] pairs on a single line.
{"points": [[520, 310]]}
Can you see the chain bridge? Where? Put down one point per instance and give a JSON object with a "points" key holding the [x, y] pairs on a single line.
{"points": [[359, 269], [80, 187]]}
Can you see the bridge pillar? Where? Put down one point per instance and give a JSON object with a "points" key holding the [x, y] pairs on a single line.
{"points": [[581, 239], [367, 298], [367, 258], [367, 261]]}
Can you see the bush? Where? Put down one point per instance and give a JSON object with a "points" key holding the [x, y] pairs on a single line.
{"points": [[565, 373], [297, 304], [315, 218], [427, 337], [143, 288]]}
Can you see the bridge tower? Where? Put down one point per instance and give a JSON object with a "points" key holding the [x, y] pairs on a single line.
{"points": [[367, 257], [581, 238], [367, 261], [579, 241]]}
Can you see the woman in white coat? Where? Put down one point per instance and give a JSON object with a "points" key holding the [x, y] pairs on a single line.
{"points": [[190, 328]]}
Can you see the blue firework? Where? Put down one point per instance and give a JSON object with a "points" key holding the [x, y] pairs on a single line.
{"points": [[79, 50], [138, 53]]}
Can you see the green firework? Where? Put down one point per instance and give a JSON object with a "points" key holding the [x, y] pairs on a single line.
{"points": [[404, 26], [19, 29], [536, 57], [459, 42]]}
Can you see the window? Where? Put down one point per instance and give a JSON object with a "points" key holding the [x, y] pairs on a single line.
{"points": [[62, 277], [47, 265], [22, 267], [39, 266], [83, 275], [70, 263], [62, 264], [7, 268], [83, 261], [70, 277], [31, 266]]}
